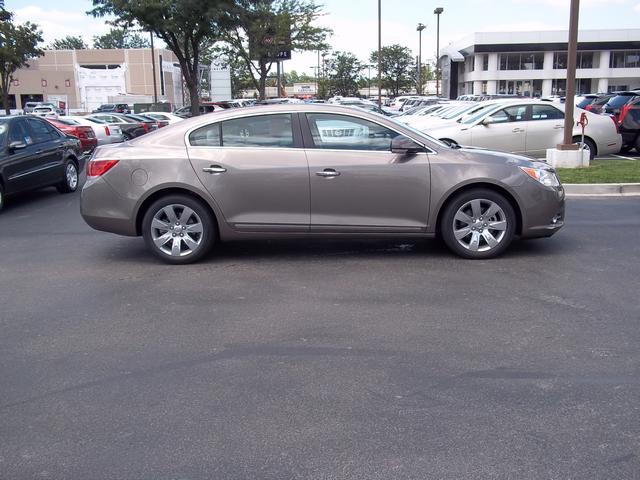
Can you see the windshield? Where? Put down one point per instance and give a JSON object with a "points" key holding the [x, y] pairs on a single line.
{"points": [[477, 115], [68, 121], [95, 120], [458, 111], [421, 134]]}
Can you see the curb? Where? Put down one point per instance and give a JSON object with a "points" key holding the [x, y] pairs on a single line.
{"points": [[602, 189]]}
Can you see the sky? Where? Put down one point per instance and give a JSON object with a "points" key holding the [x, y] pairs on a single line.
{"points": [[354, 22]]}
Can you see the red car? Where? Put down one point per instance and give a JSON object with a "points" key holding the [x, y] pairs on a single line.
{"points": [[86, 135]]}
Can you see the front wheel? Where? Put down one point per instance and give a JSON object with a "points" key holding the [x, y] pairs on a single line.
{"points": [[478, 224], [70, 181], [178, 229]]}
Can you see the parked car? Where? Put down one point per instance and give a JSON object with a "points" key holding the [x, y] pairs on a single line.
{"points": [[46, 112], [614, 104], [148, 123], [113, 107], [29, 106], [314, 170], [185, 112], [629, 124], [35, 154], [130, 128], [164, 117], [528, 127], [86, 135], [375, 109], [451, 113], [105, 133], [597, 105]]}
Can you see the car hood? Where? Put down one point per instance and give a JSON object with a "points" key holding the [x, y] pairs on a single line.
{"points": [[483, 155]]}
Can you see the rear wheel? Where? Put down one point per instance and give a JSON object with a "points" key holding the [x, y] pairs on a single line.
{"points": [[178, 229], [478, 224], [70, 181], [588, 145], [126, 136]]}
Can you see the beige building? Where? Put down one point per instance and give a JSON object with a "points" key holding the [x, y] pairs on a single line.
{"points": [[85, 79]]}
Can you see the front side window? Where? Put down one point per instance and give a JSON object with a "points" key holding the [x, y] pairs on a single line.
{"points": [[546, 112], [258, 131], [18, 132], [515, 113], [41, 132], [349, 133]]}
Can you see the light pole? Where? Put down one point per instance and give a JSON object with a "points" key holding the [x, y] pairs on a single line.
{"points": [[420, 28], [380, 53], [437, 12]]}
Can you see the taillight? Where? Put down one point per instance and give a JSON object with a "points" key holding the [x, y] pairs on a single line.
{"points": [[106, 131], [588, 108], [623, 113], [96, 168], [613, 118], [145, 126]]}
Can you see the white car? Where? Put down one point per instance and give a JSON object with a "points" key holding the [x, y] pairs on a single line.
{"points": [[46, 112], [106, 134], [164, 116], [450, 113], [528, 127]]}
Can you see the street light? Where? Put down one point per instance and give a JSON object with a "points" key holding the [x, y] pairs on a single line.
{"points": [[379, 53], [437, 12], [369, 78], [420, 28]]}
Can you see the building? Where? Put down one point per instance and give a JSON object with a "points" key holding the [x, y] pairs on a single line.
{"points": [[85, 79], [534, 64]]}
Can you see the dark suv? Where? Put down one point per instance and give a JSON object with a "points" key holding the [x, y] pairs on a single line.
{"points": [[629, 125], [113, 108], [615, 104]]}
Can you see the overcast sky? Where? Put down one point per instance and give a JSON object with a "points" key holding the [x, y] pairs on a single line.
{"points": [[354, 22]]}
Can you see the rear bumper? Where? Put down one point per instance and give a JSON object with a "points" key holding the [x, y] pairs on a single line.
{"points": [[103, 209]]}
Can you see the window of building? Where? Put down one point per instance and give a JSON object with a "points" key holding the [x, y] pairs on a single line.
{"points": [[258, 131], [522, 61], [559, 86], [484, 87], [348, 133], [470, 64], [625, 59], [485, 62], [617, 88], [583, 60], [559, 60]]}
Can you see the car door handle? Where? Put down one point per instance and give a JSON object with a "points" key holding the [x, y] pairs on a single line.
{"points": [[328, 172], [558, 127], [214, 169], [38, 152], [518, 130]]}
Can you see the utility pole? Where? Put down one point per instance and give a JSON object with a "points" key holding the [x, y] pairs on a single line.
{"points": [[380, 53], [153, 69], [571, 76], [437, 12], [420, 28]]}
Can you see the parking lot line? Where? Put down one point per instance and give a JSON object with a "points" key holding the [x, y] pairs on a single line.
{"points": [[625, 158]]}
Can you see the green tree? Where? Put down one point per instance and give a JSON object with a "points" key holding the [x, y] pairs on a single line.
{"points": [[68, 43], [426, 72], [120, 38], [18, 44], [289, 78], [185, 26], [266, 26], [397, 65], [344, 74]]}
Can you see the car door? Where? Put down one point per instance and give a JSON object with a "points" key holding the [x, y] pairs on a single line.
{"points": [[21, 167], [256, 170], [504, 130], [49, 145], [545, 129], [357, 183]]}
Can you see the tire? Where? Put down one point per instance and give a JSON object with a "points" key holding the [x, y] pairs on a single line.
{"points": [[480, 240], [588, 144], [126, 136], [71, 179], [163, 221]]}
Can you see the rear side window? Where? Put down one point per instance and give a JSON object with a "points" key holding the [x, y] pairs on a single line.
{"points": [[258, 131], [546, 112], [207, 136]]}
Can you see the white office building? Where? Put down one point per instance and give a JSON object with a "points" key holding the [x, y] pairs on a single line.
{"points": [[534, 64]]}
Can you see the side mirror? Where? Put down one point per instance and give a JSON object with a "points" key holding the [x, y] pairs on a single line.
{"points": [[487, 121], [404, 145], [13, 146]]}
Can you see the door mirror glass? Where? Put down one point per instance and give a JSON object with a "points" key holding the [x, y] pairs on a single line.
{"points": [[16, 145], [404, 145], [488, 121]]}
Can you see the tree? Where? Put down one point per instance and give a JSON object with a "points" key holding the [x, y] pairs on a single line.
{"points": [[397, 65], [426, 72], [289, 78], [344, 74], [68, 43], [18, 44], [262, 27], [183, 25], [120, 38]]}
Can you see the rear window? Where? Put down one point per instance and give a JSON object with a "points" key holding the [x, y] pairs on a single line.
{"points": [[619, 100], [585, 102]]}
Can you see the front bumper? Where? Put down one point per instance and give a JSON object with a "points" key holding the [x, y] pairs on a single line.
{"points": [[543, 210]]}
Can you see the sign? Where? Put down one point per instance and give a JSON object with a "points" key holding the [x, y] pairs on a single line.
{"points": [[272, 45]]}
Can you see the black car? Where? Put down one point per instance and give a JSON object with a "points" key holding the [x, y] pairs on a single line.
{"points": [[629, 125], [113, 107], [35, 154], [148, 123], [615, 104], [130, 128]]}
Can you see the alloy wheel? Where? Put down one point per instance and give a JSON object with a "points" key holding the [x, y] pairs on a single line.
{"points": [[177, 230], [71, 175], [479, 225]]}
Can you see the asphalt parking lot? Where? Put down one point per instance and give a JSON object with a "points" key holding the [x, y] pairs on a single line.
{"points": [[313, 360]]}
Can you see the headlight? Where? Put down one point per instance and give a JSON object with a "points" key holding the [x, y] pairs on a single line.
{"points": [[544, 176]]}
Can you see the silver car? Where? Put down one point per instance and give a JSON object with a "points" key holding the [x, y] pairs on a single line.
{"points": [[313, 170]]}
